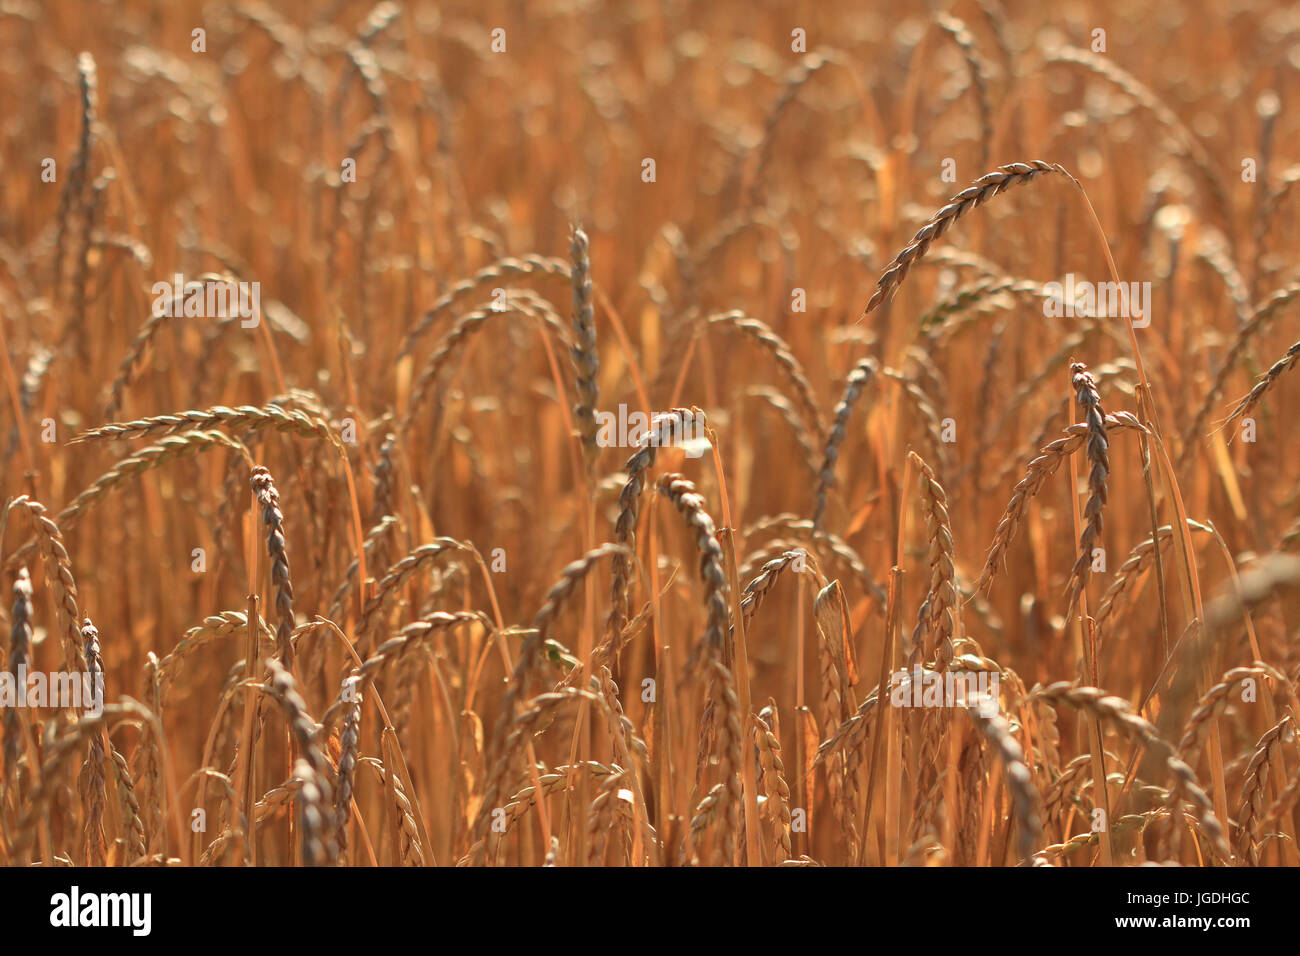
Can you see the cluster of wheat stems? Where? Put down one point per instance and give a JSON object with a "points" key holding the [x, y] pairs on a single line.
{"points": [[370, 581]]}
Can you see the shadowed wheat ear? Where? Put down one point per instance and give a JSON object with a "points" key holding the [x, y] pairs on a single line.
{"points": [[268, 499], [1263, 315], [663, 429], [313, 767], [349, 747], [857, 380], [1024, 795], [94, 792], [961, 35], [1096, 448], [977, 193], [509, 266], [1267, 381], [710, 654], [1036, 473], [20, 645], [586, 360], [941, 608], [1116, 710]]}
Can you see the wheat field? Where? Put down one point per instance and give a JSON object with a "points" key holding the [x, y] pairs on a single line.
{"points": [[649, 434]]}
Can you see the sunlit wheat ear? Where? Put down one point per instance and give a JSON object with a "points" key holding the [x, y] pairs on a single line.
{"points": [[977, 193], [268, 499], [1097, 452]]}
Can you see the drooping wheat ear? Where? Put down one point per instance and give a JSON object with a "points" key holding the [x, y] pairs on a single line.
{"points": [[129, 808], [215, 627], [1097, 703], [523, 728], [58, 753], [852, 735], [1024, 795], [20, 644], [268, 498], [711, 652], [586, 360], [1137, 561], [1097, 450], [58, 574], [664, 430], [1215, 700], [603, 818], [520, 301], [394, 578], [1036, 473], [761, 333], [502, 268], [977, 193], [761, 585], [941, 322], [349, 744], [777, 807], [834, 545], [87, 85], [93, 796], [372, 548], [313, 767], [966, 42], [792, 417], [572, 575], [857, 380], [412, 637], [168, 449], [795, 80], [249, 418], [941, 597], [1267, 381], [410, 852], [1264, 314], [1254, 792], [925, 408], [1188, 146], [553, 781], [1214, 252]]}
